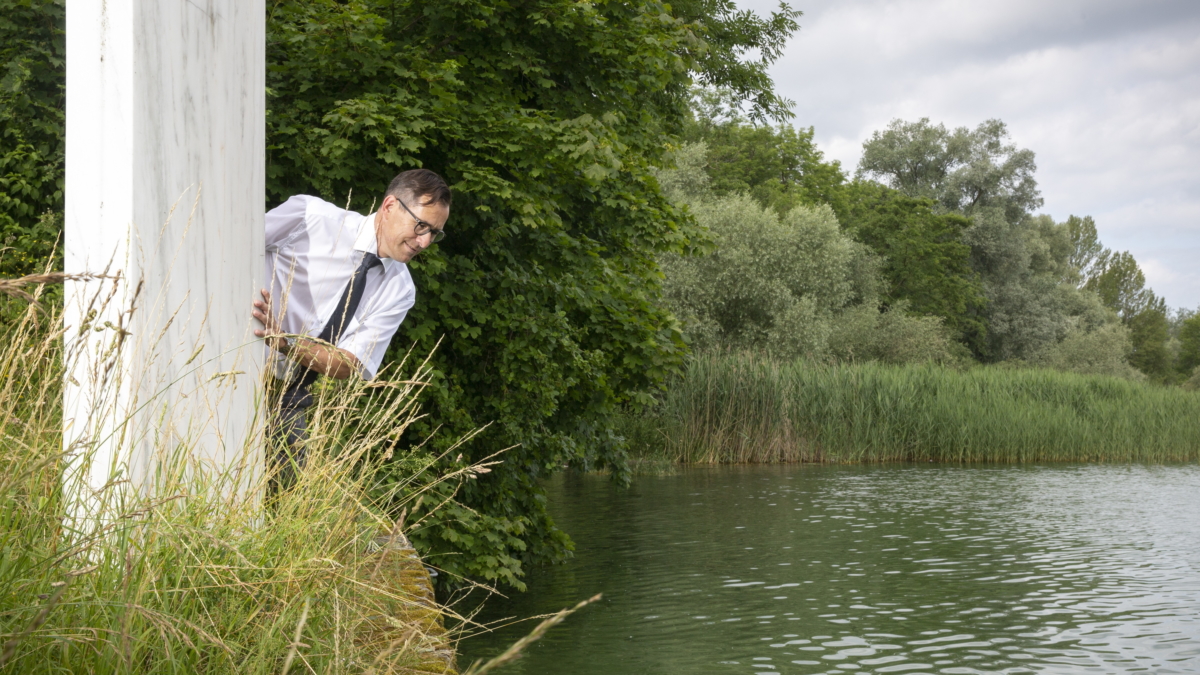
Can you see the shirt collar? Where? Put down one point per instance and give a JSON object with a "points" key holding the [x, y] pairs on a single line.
{"points": [[366, 241]]}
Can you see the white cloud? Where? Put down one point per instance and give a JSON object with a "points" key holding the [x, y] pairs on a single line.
{"points": [[1106, 92]]}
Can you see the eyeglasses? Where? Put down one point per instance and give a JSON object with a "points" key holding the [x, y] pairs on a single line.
{"points": [[423, 228]]}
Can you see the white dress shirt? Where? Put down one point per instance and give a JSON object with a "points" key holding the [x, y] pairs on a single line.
{"points": [[312, 249]]}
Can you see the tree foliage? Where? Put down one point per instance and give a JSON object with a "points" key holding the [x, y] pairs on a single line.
{"points": [[773, 283], [780, 166], [1086, 249], [794, 285], [1119, 281], [926, 268], [964, 169], [1102, 351], [1189, 346], [925, 260], [1149, 332], [739, 47], [32, 98], [1030, 267], [981, 175]]}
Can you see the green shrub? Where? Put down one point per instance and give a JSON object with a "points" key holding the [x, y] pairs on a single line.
{"points": [[1103, 351]]}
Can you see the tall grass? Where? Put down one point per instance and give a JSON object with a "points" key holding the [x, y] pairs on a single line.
{"points": [[748, 408], [198, 575]]}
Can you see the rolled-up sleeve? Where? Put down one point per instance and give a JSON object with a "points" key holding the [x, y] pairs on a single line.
{"points": [[376, 321]]}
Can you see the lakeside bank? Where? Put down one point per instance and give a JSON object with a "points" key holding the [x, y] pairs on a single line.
{"points": [[739, 408]]}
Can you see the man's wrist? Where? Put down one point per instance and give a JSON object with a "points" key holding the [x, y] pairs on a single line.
{"points": [[284, 344]]}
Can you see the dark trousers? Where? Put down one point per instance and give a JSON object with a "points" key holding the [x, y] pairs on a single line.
{"points": [[288, 437]]}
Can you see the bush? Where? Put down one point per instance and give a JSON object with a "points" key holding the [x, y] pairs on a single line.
{"points": [[865, 334], [1102, 351], [32, 98], [1193, 382], [773, 283], [1189, 345]]}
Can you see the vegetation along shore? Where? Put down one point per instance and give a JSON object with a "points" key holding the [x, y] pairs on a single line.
{"points": [[748, 408]]}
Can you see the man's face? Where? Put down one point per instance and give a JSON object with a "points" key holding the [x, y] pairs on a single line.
{"points": [[397, 230]]}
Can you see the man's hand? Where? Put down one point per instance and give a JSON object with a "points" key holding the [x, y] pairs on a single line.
{"points": [[323, 358], [271, 330]]}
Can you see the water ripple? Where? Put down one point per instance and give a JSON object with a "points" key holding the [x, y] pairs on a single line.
{"points": [[895, 569]]}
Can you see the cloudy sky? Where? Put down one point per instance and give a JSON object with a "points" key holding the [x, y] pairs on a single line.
{"points": [[1105, 92]]}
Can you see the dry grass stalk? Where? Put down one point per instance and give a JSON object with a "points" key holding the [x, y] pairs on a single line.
{"points": [[14, 287], [514, 651]]}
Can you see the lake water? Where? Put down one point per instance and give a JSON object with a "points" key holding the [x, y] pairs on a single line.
{"points": [[878, 569]]}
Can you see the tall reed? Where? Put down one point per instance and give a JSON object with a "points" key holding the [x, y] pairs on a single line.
{"points": [[198, 575], [750, 408]]}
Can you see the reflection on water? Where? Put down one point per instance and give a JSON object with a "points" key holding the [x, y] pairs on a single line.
{"points": [[895, 569]]}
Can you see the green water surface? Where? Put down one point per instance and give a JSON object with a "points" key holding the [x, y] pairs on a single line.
{"points": [[877, 569]]}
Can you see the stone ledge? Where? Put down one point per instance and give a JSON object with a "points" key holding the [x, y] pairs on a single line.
{"points": [[413, 622]]}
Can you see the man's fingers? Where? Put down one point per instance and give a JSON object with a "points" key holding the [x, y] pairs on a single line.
{"points": [[262, 312]]}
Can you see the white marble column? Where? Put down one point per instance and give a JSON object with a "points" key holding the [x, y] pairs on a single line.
{"points": [[165, 175]]}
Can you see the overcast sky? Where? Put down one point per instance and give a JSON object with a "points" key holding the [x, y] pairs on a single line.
{"points": [[1105, 92]]}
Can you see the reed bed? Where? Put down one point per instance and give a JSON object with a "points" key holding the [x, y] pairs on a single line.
{"points": [[198, 574], [731, 408]]}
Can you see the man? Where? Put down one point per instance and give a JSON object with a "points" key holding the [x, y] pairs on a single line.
{"points": [[342, 288]]}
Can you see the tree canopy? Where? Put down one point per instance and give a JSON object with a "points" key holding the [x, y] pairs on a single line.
{"points": [[964, 170], [925, 259]]}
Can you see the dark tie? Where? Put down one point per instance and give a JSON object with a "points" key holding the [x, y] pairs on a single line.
{"points": [[348, 304], [342, 313]]}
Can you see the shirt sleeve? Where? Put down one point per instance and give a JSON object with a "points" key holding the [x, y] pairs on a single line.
{"points": [[285, 220], [375, 322]]}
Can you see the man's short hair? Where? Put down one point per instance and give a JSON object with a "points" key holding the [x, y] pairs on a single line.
{"points": [[419, 186]]}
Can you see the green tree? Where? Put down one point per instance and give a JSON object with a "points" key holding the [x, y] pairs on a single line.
{"points": [[1102, 351], [737, 49], [1189, 346], [773, 283], [780, 166], [1086, 249], [926, 263], [547, 117], [1119, 281], [32, 96], [964, 170], [1029, 266], [1149, 332], [790, 285]]}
